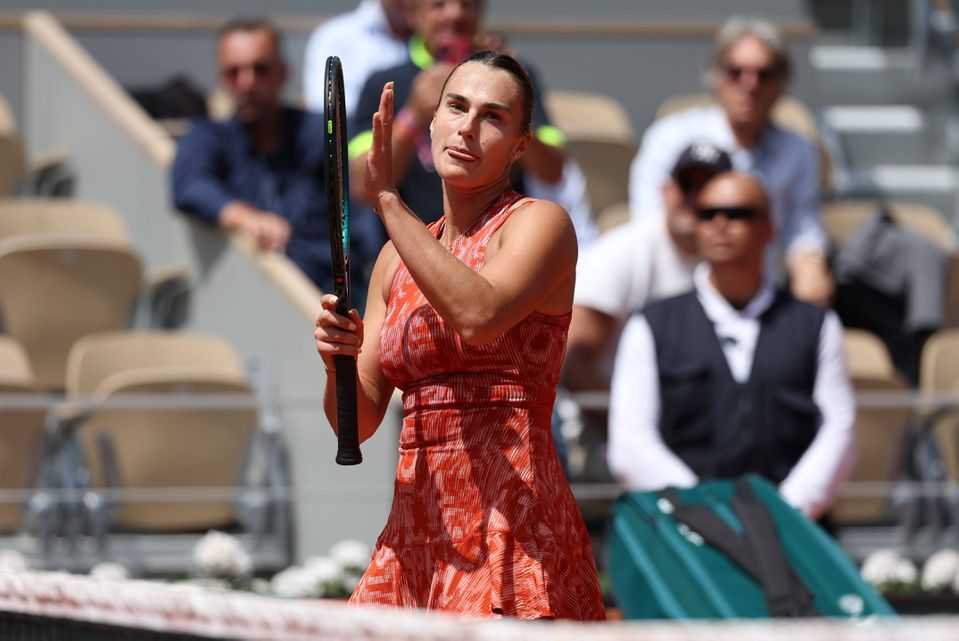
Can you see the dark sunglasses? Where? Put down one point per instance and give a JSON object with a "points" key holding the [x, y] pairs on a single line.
{"points": [[763, 74], [729, 213]]}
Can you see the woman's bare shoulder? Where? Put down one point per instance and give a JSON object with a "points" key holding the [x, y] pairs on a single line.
{"points": [[542, 220]]}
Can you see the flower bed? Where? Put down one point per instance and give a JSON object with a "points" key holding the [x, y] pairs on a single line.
{"points": [[933, 590]]}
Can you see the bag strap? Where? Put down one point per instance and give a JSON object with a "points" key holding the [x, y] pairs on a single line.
{"points": [[786, 594], [757, 551], [714, 531]]}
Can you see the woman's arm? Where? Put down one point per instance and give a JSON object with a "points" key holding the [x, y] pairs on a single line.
{"points": [[337, 335], [529, 266]]}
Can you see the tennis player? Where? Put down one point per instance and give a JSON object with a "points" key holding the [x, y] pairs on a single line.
{"points": [[468, 317]]}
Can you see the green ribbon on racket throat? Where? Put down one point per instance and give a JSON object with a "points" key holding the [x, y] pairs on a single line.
{"points": [[344, 240], [346, 225]]}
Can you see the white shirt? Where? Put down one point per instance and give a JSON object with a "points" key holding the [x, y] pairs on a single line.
{"points": [[786, 162], [640, 459], [631, 265], [363, 41]]}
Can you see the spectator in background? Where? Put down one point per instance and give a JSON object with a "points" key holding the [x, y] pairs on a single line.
{"points": [[370, 38], [733, 378], [261, 172], [649, 258], [749, 72], [445, 33]]}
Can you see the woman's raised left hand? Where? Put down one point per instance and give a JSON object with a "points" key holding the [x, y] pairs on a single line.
{"points": [[379, 161]]}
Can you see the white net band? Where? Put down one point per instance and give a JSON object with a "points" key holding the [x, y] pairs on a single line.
{"points": [[191, 610]]}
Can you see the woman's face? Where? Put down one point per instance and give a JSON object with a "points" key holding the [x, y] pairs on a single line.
{"points": [[476, 132]]}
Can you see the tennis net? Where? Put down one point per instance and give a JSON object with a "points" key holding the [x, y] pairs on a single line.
{"points": [[49, 605]]}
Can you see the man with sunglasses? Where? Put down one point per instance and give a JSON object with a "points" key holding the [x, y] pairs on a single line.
{"points": [[261, 171], [733, 377], [749, 72]]}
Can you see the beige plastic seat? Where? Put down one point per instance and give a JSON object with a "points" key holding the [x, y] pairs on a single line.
{"points": [[881, 432], [842, 217], [600, 138], [611, 216], [13, 159], [66, 270], [163, 448], [939, 374], [44, 173], [788, 113], [21, 430]]}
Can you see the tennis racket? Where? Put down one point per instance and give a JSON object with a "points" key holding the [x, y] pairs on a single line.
{"points": [[337, 195]]}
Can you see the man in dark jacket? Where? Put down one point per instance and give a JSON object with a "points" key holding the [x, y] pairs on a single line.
{"points": [[262, 171]]}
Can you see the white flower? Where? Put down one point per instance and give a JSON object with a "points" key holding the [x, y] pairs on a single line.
{"points": [[13, 561], [294, 582], [351, 554], [220, 555], [323, 569], [905, 571], [107, 571], [882, 566], [318, 576], [941, 570]]}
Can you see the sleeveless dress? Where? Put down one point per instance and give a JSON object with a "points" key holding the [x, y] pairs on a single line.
{"points": [[483, 522]]}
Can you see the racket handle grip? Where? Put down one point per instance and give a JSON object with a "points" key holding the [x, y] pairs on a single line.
{"points": [[347, 432]]}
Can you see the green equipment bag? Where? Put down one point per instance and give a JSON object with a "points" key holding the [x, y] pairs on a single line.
{"points": [[729, 549]]}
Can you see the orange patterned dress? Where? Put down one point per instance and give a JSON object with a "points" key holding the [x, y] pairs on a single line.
{"points": [[483, 522]]}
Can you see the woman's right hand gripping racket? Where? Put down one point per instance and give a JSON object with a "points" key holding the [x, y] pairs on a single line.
{"points": [[337, 193]]}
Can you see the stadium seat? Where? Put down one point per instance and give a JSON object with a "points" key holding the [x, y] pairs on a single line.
{"points": [[842, 217], [600, 137], [170, 443], [45, 174], [13, 161], [66, 270], [21, 440], [881, 432], [940, 375], [612, 215]]}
